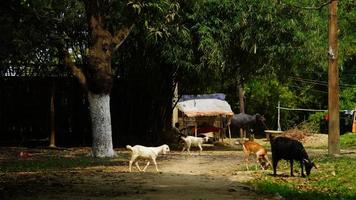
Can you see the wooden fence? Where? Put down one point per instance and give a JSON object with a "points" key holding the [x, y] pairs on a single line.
{"points": [[25, 112], [137, 114]]}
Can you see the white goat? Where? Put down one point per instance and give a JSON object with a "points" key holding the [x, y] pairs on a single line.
{"points": [[193, 141], [147, 153]]}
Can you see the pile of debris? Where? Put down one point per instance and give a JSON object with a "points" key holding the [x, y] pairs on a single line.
{"points": [[296, 134], [309, 139]]}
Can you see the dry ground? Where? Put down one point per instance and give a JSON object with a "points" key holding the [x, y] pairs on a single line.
{"points": [[215, 174]]}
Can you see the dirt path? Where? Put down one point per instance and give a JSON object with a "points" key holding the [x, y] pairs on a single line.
{"points": [[208, 176], [211, 175]]}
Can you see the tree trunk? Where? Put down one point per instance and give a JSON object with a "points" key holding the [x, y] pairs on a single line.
{"points": [[241, 98], [52, 141], [175, 109], [96, 76], [242, 108], [101, 125]]}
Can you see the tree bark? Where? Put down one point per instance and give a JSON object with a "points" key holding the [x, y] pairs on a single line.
{"points": [[52, 141], [101, 125], [96, 77], [241, 98], [333, 83], [242, 108]]}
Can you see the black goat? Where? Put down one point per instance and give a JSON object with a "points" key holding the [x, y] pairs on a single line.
{"points": [[289, 149]]}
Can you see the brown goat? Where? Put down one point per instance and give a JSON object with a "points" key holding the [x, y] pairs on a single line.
{"points": [[250, 147]]}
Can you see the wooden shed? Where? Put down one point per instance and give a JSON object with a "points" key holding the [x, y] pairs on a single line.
{"points": [[205, 113]]}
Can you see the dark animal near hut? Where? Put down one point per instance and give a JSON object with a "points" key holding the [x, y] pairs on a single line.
{"points": [[244, 121]]}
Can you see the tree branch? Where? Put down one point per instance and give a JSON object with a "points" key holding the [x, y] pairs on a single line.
{"points": [[121, 36], [76, 71], [312, 7]]}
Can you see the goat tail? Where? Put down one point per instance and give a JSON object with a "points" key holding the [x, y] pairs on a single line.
{"points": [[183, 138], [128, 147]]}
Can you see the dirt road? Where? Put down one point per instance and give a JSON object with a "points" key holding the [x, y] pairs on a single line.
{"points": [[211, 175]]}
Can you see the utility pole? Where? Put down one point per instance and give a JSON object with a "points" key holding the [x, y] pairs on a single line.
{"points": [[333, 82]]}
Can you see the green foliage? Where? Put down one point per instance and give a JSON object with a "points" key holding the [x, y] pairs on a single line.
{"points": [[348, 84], [36, 28], [276, 49], [348, 99], [236, 42], [347, 24], [316, 117], [264, 93]]}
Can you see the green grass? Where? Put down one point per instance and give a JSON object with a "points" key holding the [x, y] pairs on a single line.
{"points": [[348, 141], [334, 179], [54, 163]]}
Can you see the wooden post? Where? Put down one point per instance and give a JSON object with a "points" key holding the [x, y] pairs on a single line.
{"points": [[242, 109], [241, 99], [228, 128], [279, 117], [333, 83], [195, 128], [228, 122], [354, 122], [185, 125], [52, 142], [175, 109]]}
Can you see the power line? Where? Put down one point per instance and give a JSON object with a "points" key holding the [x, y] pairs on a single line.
{"points": [[301, 109], [315, 90], [322, 83]]}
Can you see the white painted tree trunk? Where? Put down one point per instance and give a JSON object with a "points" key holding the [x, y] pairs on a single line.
{"points": [[101, 125]]}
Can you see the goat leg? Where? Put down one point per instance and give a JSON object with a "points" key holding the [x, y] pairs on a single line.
{"points": [[144, 169], [268, 161], [154, 162], [130, 165], [302, 166], [138, 167], [259, 162], [188, 149], [275, 163], [291, 167], [200, 149], [133, 158], [246, 162]]}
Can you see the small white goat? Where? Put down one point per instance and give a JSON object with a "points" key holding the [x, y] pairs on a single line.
{"points": [[147, 153], [193, 141]]}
